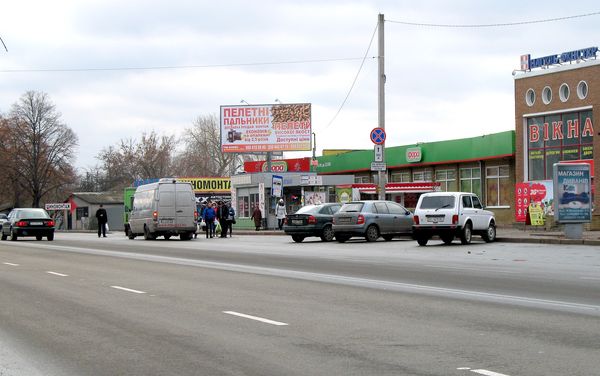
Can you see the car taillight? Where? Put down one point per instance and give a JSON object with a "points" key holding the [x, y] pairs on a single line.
{"points": [[360, 220], [50, 223], [416, 219], [285, 221], [155, 215], [455, 219], [21, 224], [312, 220]]}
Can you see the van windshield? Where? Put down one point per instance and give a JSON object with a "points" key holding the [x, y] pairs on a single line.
{"points": [[437, 202]]}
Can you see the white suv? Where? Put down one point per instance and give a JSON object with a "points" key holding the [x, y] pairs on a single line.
{"points": [[452, 214]]}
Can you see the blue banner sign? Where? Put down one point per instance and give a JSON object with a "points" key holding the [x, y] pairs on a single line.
{"points": [[527, 63], [572, 193]]}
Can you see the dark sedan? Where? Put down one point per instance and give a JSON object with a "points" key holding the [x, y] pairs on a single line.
{"points": [[28, 222], [311, 220]]}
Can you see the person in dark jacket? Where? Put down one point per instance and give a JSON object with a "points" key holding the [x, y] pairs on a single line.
{"points": [[222, 214], [257, 216], [102, 218], [230, 219], [209, 216]]}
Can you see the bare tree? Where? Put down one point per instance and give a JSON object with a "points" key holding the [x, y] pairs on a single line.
{"points": [[120, 165], [202, 155], [39, 149]]}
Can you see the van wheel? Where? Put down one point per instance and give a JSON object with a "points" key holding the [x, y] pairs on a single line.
{"points": [[372, 233], [4, 237], [147, 234], [328, 234], [185, 236], [167, 237], [490, 234], [467, 234]]}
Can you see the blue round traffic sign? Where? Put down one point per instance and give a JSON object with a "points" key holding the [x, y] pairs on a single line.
{"points": [[378, 136]]}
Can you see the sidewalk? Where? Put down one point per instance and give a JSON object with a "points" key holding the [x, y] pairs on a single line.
{"points": [[506, 234]]}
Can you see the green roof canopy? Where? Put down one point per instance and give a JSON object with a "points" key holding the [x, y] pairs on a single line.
{"points": [[484, 147]]}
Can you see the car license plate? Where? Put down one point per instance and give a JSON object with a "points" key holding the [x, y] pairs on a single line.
{"points": [[345, 219], [36, 223], [166, 221], [297, 222]]}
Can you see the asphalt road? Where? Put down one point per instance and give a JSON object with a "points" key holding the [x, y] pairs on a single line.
{"points": [[263, 305]]}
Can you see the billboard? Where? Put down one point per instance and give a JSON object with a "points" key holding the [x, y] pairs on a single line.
{"points": [[265, 128], [572, 193], [279, 165]]}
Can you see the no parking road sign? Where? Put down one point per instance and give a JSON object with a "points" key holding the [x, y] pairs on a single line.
{"points": [[378, 136]]}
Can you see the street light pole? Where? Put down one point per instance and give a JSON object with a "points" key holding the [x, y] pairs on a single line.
{"points": [[381, 103]]}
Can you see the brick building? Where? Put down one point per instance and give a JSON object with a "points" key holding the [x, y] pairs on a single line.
{"points": [[556, 106]]}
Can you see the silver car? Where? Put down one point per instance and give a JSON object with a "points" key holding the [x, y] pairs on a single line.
{"points": [[371, 219]]}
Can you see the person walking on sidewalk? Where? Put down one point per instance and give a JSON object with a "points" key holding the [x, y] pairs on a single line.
{"points": [[280, 213], [222, 214], [102, 218], [257, 217]]}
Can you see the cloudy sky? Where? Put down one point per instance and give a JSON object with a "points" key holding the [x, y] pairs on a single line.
{"points": [[115, 69]]}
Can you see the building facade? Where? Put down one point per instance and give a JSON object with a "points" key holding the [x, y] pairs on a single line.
{"points": [[556, 109]]}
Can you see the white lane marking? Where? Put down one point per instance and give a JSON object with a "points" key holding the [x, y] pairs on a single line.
{"points": [[261, 319], [128, 290], [10, 264], [487, 373], [463, 368], [58, 274], [471, 269], [590, 278]]}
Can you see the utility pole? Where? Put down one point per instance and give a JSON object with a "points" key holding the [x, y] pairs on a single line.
{"points": [[381, 102]]}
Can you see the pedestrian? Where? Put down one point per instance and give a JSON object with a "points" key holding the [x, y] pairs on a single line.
{"points": [[230, 219], [222, 214], [209, 218], [257, 216], [280, 213], [102, 218]]}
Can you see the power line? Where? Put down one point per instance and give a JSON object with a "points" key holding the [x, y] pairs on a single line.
{"points": [[173, 67], [355, 78], [494, 24]]}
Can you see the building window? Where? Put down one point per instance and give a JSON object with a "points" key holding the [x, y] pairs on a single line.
{"points": [[555, 138], [447, 180], [498, 186], [564, 92], [422, 175], [362, 179], [547, 95], [530, 97], [582, 89], [470, 180], [400, 177], [246, 205]]}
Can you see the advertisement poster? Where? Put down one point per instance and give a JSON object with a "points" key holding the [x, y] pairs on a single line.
{"points": [[315, 198], [279, 165], [264, 128], [277, 186], [343, 194], [521, 201], [572, 200]]}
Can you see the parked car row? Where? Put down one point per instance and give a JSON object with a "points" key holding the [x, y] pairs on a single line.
{"points": [[448, 215]]}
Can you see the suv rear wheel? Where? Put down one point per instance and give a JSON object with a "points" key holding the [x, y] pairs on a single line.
{"points": [[467, 234]]}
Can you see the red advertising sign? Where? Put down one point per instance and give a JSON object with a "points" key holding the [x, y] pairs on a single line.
{"points": [[284, 165], [522, 201]]}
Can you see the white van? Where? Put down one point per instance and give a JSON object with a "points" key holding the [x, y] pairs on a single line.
{"points": [[166, 208]]}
